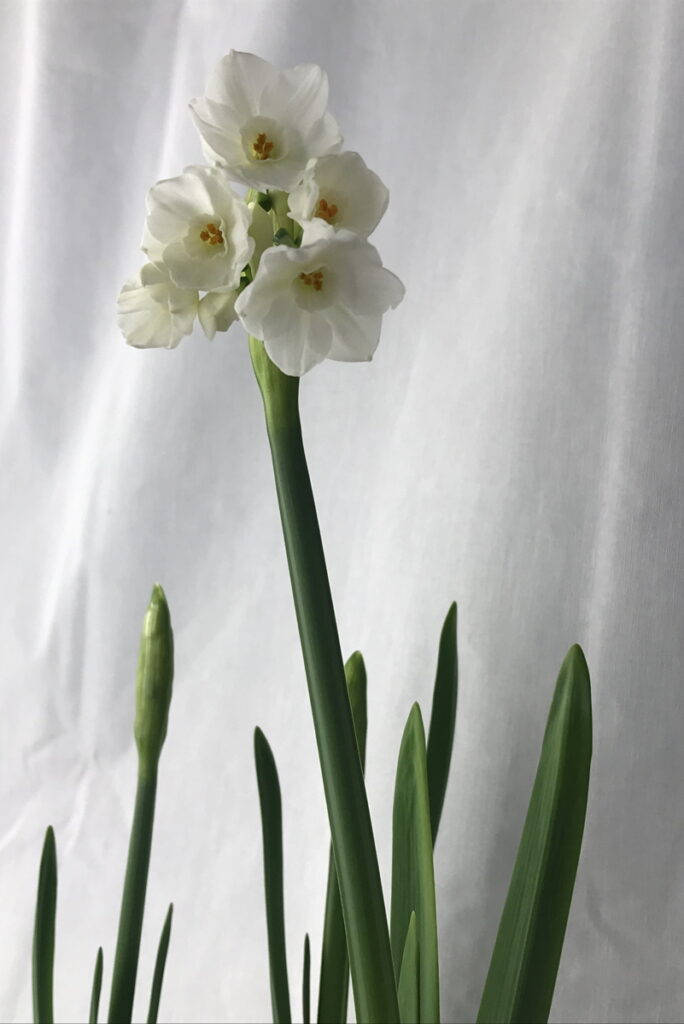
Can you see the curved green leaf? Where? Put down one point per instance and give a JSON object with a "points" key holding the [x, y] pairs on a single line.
{"points": [[442, 719], [413, 880], [524, 964], [409, 1010], [44, 933], [159, 965], [272, 831], [333, 988], [96, 989]]}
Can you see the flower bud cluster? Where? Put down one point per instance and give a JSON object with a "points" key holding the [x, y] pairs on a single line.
{"points": [[290, 258]]}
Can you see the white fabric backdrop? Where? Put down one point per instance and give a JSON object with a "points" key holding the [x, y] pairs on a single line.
{"points": [[516, 444]]}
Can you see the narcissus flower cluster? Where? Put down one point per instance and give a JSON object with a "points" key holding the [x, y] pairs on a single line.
{"points": [[290, 258]]}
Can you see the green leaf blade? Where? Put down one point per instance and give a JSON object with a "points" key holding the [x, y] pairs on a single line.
{"points": [[96, 989], [524, 965], [306, 982], [272, 831], [442, 718], [333, 989], [44, 933], [407, 990], [159, 966], [413, 880]]}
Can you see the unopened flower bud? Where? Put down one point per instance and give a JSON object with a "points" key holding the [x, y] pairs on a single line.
{"points": [[154, 681]]}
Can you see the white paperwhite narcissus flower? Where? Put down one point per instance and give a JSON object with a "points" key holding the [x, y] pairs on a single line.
{"points": [[324, 300], [263, 124], [153, 312], [197, 229], [217, 312], [342, 191]]}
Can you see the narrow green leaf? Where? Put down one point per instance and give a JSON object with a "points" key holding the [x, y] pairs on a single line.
{"points": [[44, 932], [159, 965], [524, 964], [96, 989], [370, 955], [153, 695], [407, 991], [413, 880], [306, 983], [442, 719], [333, 988], [272, 830]]}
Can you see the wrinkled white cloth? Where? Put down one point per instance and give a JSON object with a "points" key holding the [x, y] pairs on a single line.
{"points": [[516, 444]]}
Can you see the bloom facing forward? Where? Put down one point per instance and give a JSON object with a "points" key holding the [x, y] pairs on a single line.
{"points": [[197, 230], [263, 124], [340, 190], [153, 312], [323, 300]]}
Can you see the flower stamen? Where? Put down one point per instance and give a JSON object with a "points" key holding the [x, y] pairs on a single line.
{"points": [[313, 280], [262, 147], [325, 210], [211, 234]]}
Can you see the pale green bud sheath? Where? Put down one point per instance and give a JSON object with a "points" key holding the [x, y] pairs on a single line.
{"points": [[353, 843], [153, 696]]}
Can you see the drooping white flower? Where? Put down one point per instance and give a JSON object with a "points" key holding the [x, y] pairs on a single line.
{"points": [[197, 229], [340, 190], [323, 300], [263, 124], [153, 312], [217, 312]]}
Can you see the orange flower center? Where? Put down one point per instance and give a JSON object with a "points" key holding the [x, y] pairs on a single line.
{"points": [[313, 280], [211, 234], [262, 147], [325, 210]]}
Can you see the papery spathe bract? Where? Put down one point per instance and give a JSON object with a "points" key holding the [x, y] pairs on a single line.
{"points": [[197, 229], [342, 191], [324, 300], [264, 124], [153, 312]]}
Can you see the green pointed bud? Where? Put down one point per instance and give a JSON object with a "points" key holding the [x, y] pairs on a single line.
{"points": [[154, 681]]}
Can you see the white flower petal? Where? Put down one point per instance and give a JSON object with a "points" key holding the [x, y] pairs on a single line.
{"points": [[300, 92], [239, 79], [217, 312], [220, 129], [354, 338], [305, 344], [152, 312]]}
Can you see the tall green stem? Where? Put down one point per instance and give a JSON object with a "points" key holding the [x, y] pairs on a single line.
{"points": [[350, 824], [153, 687], [133, 902]]}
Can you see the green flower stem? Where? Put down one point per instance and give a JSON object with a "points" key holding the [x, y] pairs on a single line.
{"points": [[153, 687], [133, 901], [363, 905]]}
